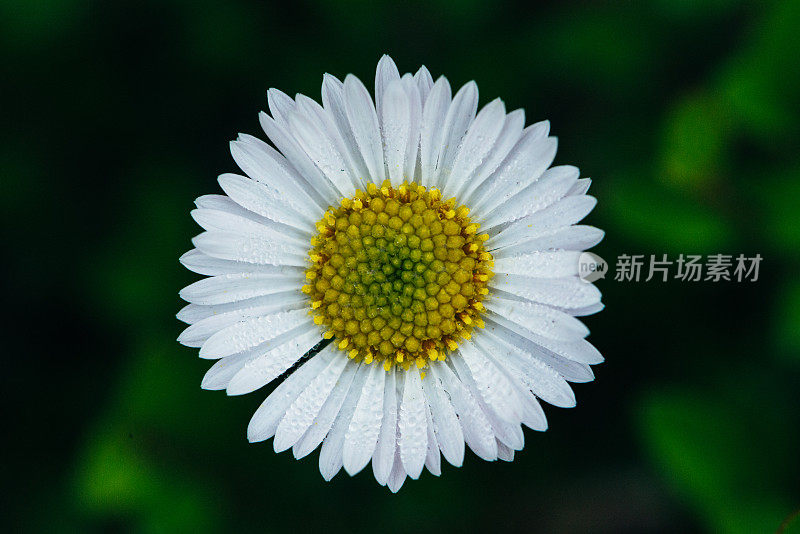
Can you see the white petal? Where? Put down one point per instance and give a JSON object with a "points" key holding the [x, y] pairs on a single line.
{"points": [[265, 420], [362, 433], [384, 455], [193, 313], [478, 432], [264, 201], [239, 360], [327, 414], [201, 263], [324, 152], [252, 332], [532, 414], [477, 144], [578, 350], [460, 115], [223, 221], [330, 455], [188, 312], [445, 422], [494, 388], [219, 375], [509, 432], [513, 127], [433, 460], [234, 287], [571, 370], [554, 184], [577, 237], [200, 331], [397, 475], [587, 310], [364, 121], [227, 205], [280, 105], [567, 211], [563, 293], [223, 203], [250, 249], [252, 225], [385, 73], [538, 318], [396, 130], [341, 138], [504, 453], [306, 407], [548, 264], [570, 346], [581, 187], [314, 182], [415, 121], [424, 82], [260, 371], [263, 163], [537, 376], [333, 100], [431, 130], [412, 424], [519, 168]]}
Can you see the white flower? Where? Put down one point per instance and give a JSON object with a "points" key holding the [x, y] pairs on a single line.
{"points": [[403, 324]]}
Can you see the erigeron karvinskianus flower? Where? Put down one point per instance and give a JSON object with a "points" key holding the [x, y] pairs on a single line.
{"points": [[407, 269]]}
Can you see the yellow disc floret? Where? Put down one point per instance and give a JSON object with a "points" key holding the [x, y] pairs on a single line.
{"points": [[397, 275]]}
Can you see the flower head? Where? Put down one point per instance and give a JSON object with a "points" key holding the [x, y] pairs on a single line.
{"points": [[408, 268]]}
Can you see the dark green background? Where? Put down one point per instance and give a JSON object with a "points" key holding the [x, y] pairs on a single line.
{"points": [[116, 115]]}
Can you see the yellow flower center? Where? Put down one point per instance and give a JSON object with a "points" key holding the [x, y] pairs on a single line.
{"points": [[397, 275]]}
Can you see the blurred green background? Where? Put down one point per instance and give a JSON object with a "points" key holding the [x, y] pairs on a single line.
{"points": [[117, 115]]}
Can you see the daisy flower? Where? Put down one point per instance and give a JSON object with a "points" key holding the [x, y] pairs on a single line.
{"points": [[407, 270]]}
